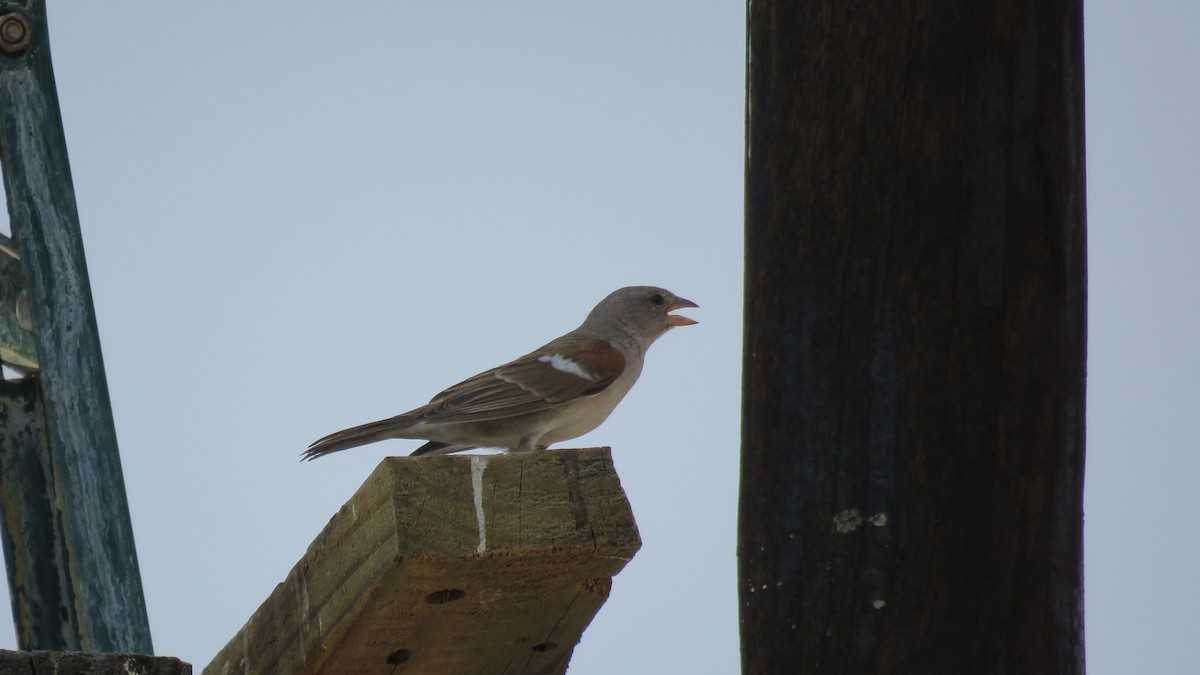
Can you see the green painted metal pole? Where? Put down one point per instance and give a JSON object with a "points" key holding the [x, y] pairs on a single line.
{"points": [[89, 575]]}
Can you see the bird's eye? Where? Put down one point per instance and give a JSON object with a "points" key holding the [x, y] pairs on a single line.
{"points": [[657, 300]]}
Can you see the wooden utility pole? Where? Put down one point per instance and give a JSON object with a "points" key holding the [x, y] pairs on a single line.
{"points": [[913, 434]]}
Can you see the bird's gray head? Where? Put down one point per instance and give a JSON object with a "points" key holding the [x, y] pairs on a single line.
{"points": [[640, 312]]}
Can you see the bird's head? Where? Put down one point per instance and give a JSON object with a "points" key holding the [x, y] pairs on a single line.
{"points": [[641, 312]]}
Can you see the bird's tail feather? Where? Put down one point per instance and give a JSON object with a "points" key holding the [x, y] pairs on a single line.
{"points": [[435, 448], [356, 436]]}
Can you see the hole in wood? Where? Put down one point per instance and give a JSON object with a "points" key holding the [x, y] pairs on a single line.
{"points": [[543, 647], [398, 656], [445, 595]]}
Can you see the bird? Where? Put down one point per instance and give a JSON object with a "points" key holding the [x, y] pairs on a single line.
{"points": [[559, 391]]}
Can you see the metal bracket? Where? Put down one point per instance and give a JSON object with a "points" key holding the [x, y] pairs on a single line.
{"points": [[17, 348]]}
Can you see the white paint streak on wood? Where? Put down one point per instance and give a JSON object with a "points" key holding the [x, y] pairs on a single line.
{"points": [[478, 465]]}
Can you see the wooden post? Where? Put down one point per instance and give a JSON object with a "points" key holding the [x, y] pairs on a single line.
{"points": [[81, 663], [453, 564], [913, 432], [73, 570]]}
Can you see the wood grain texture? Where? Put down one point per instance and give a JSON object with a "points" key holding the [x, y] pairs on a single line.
{"points": [[79, 663], [914, 374], [450, 564]]}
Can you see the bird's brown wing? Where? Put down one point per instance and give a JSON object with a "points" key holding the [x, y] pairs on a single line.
{"points": [[564, 370]]}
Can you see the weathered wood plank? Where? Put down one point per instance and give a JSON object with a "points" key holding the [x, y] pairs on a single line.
{"points": [[471, 564], [79, 663]]}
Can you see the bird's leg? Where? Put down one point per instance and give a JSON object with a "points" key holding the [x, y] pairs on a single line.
{"points": [[528, 443]]}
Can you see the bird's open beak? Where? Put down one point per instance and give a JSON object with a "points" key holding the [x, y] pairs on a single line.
{"points": [[677, 320]]}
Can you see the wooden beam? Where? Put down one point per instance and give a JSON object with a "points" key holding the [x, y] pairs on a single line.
{"points": [[915, 346], [453, 564], [81, 663]]}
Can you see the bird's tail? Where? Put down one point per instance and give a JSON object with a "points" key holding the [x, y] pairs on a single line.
{"points": [[356, 436], [435, 448]]}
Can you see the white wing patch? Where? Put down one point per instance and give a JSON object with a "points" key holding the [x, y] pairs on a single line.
{"points": [[563, 364]]}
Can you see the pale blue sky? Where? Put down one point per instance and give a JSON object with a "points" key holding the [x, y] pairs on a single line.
{"points": [[301, 216]]}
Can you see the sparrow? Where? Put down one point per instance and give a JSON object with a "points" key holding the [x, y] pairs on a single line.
{"points": [[557, 392]]}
